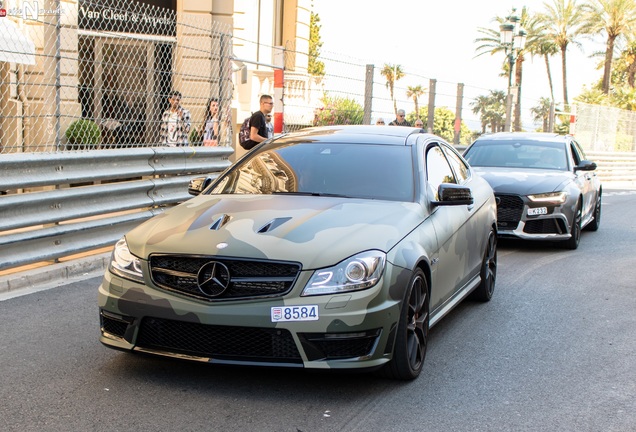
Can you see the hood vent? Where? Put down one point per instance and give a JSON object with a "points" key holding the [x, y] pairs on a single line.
{"points": [[272, 225], [220, 222]]}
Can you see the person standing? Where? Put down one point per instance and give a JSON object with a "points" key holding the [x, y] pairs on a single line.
{"points": [[210, 128], [258, 122], [270, 126], [175, 122], [379, 122], [419, 123], [400, 120]]}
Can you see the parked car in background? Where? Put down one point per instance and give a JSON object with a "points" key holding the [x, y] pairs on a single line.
{"points": [[546, 188], [330, 248]]}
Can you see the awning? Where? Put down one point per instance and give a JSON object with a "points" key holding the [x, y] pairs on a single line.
{"points": [[15, 47]]}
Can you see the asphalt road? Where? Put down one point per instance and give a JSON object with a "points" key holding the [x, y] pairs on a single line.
{"points": [[555, 350]]}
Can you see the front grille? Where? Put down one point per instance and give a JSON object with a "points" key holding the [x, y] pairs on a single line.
{"points": [[545, 226], [509, 211], [333, 346], [247, 278], [218, 342]]}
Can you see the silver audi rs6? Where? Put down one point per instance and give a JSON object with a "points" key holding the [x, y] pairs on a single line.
{"points": [[546, 189]]}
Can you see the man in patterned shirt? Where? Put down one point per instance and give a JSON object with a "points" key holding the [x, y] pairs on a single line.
{"points": [[175, 122]]}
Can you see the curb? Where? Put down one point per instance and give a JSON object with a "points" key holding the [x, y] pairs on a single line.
{"points": [[55, 274]]}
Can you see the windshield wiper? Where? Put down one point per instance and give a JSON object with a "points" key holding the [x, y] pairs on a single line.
{"points": [[319, 194]]}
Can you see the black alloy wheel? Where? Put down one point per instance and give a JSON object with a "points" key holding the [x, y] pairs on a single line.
{"points": [[596, 223], [575, 230], [488, 271], [412, 333]]}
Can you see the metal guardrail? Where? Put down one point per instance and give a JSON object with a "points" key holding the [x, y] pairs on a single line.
{"points": [[60, 204], [614, 166]]}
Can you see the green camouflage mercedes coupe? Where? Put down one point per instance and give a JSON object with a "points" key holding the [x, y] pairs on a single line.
{"points": [[330, 248]]}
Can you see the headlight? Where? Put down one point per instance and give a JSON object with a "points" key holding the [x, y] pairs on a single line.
{"points": [[359, 272], [124, 264], [549, 198]]}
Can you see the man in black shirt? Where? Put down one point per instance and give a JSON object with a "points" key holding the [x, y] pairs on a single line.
{"points": [[258, 123], [400, 120]]}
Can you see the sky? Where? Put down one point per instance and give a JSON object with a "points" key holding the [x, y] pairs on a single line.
{"points": [[435, 39]]}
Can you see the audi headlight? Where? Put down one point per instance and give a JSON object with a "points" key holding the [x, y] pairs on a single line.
{"points": [[356, 273], [549, 198], [125, 264]]}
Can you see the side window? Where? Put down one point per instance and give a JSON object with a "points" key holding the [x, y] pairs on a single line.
{"points": [[438, 170], [577, 152], [576, 157], [459, 166]]}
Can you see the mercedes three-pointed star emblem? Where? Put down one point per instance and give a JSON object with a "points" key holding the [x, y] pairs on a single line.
{"points": [[213, 279]]}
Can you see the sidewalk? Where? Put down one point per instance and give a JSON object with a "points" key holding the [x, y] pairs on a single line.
{"points": [[49, 276]]}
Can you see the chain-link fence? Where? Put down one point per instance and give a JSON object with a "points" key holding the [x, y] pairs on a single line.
{"points": [[604, 128], [100, 74], [354, 91]]}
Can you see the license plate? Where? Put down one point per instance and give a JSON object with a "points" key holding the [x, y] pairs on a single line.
{"points": [[295, 313], [537, 211]]}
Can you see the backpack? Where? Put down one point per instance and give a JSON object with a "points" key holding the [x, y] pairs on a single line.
{"points": [[244, 134]]}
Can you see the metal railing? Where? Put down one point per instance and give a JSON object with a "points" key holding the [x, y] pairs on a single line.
{"points": [[82, 201]]}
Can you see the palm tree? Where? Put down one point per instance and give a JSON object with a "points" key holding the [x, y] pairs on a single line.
{"points": [[491, 108], [563, 20], [415, 92], [541, 112], [480, 107], [392, 73], [490, 43], [539, 43], [615, 18], [627, 66]]}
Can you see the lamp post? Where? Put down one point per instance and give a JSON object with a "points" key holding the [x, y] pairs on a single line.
{"points": [[513, 38]]}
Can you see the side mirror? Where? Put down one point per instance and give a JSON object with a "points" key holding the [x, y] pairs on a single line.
{"points": [[585, 165], [453, 194], [198, 184]]}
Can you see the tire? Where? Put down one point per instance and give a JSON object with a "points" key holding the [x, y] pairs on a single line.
{"points": [[412, 332], [573, 242], [596, 223], [488, 272]]}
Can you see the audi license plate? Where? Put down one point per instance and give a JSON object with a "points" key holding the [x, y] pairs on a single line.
{"points": [[537, 211], [295, 313]]}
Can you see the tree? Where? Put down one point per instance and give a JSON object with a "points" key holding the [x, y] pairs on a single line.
{"points": [[490, 42], [415, 92], [615, 18], [444, 126], [315, 67], [339, 111], [541, 112], [392, 73], [625, 69], [563, 21], [492, 109], [539, 43]]}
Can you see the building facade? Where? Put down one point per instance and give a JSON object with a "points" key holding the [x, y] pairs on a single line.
{"points": [[115, 62]]}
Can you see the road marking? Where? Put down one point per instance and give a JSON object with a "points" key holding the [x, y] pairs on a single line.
{"points": [[619, 193]]}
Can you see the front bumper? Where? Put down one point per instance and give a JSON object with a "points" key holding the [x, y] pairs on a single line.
{"points": [[354, 330], [513, 220]]}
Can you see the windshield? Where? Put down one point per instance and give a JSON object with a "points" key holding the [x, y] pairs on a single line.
{"points": [[517, 154], [350, 170]]}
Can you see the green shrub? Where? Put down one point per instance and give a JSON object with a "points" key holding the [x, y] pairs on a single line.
{"points": [[339, 111], [83, 134], [195, 137]]}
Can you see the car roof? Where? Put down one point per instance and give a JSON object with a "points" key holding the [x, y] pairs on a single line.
{"points": [[528, 136], [362, 134]]}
